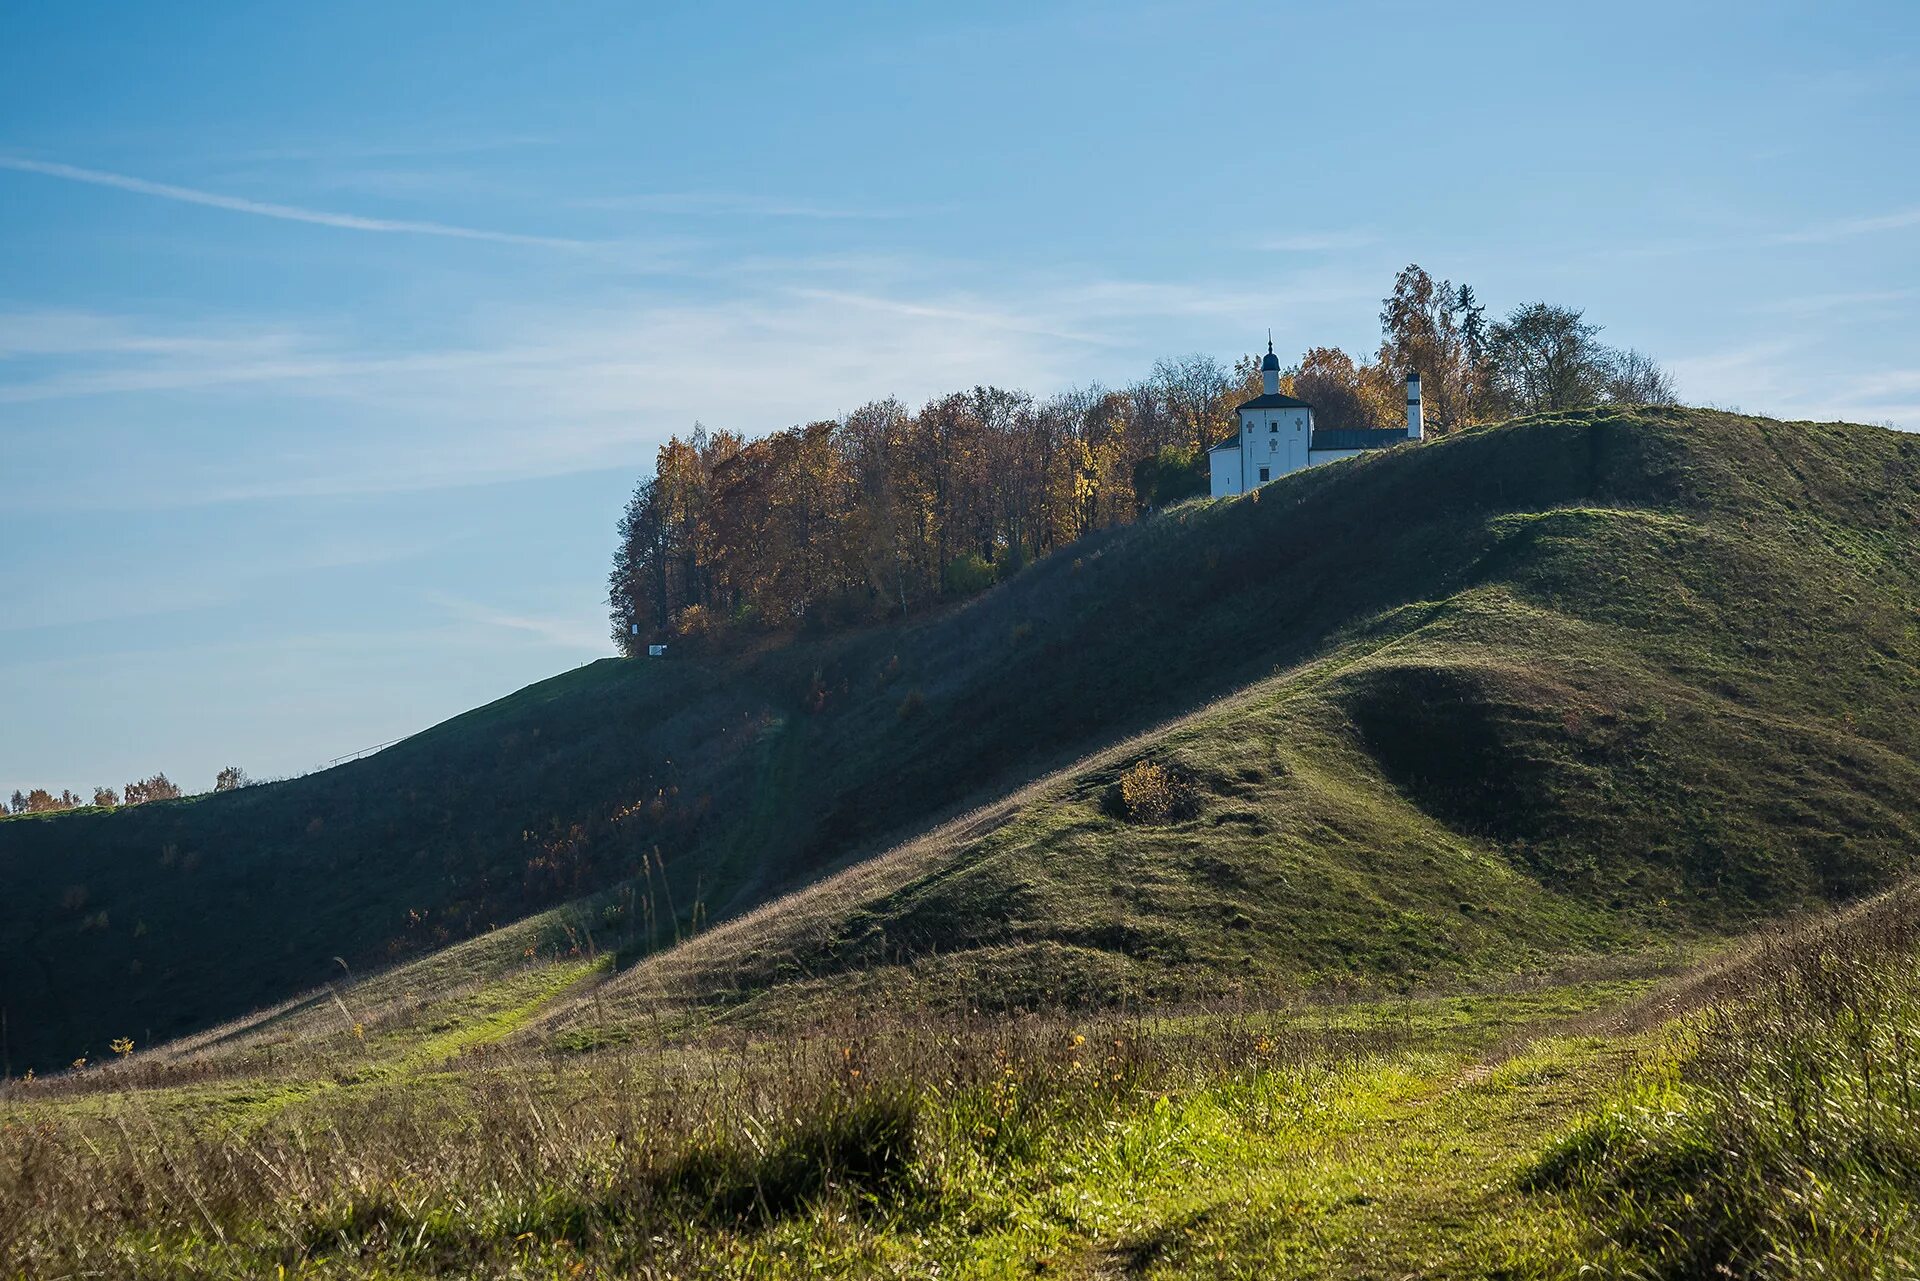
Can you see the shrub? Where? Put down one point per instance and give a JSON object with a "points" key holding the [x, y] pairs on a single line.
{"points": [[969, 574], [1177, 472], [157, 788], [1149, 792]]}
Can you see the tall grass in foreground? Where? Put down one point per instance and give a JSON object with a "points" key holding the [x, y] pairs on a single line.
{"points": [[1780, 1137], [672, 1160]]}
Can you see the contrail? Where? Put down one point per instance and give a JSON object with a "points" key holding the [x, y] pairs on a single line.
{"points": [[265, 209]]}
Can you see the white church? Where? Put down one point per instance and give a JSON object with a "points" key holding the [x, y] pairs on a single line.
{"points": [[1274, 434]]}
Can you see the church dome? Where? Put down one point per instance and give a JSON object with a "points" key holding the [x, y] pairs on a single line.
{"points": [[1271, 361]]}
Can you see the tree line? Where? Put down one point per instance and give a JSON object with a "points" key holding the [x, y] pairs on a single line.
{"points": [[158, 787], [887, 510]]}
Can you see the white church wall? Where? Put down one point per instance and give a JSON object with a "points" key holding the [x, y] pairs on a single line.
{"points": [[1223, 471], [1279, 440]]}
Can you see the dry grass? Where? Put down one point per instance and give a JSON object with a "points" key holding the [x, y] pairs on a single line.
{"points": [[657, 1160]]}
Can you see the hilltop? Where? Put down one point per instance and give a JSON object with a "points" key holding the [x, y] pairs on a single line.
{"points": [[1574, 684]]}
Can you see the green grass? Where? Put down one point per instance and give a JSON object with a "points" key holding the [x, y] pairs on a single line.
{"points": [[1776, 1135], [1744, 1112], [982, 1148]]}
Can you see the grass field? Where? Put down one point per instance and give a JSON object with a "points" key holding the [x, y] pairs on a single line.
{"points": [[1748, 1108], [987, 1146]]}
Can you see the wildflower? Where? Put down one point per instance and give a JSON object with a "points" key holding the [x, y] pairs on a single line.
{"points": [[121, 1045]]}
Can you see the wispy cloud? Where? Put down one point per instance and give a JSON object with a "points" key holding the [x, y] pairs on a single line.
{"points": [[1013, 321], [69, 333], [700, 202], [1893, 75], [1847, 228], [580, 383], [267, 209], [570, 631], [1767, 377], [1314, 242], [1813, 304], [395, 150], [204, 364], [1891, 382]]}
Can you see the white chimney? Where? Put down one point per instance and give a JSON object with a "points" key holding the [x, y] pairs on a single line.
{"points": [[1415, 424]]}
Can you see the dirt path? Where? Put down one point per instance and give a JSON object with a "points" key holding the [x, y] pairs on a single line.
{"points": [[1426, 1187]]}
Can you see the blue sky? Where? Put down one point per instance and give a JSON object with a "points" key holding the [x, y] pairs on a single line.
{"points": [[332, 337]]}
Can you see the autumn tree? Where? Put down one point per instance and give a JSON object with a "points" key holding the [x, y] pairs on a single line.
{"points": [[231, 779], [873, 438], [40, 800], [156, 788], [1342, 393], [1438, 329]]}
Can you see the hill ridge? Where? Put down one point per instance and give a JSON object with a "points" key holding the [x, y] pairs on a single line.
{"points": [[1512, 542]]}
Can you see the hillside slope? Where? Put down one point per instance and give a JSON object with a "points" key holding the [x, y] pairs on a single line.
{"points": [[1535, 689]]}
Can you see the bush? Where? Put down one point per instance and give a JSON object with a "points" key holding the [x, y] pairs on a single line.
{"points": [[969, 574], [1177, 472], [1149, 792], [157, 788]]}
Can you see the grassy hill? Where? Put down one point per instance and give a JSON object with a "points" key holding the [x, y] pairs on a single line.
{"points": [[1566, 685]]}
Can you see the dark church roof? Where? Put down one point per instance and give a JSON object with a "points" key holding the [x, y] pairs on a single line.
{"points": [[1358, 437], [1275, 401]]}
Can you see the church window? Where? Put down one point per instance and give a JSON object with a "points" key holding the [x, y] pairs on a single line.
{"points": [[1273, 426], [1263, 475]]}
